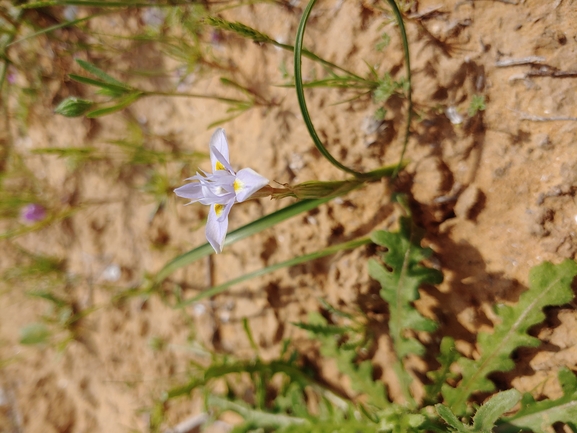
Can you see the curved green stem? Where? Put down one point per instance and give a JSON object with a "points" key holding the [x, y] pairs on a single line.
{"points": [[298, 50], [403, 31]]}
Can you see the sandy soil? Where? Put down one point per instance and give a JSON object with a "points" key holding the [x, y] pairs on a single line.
{"points": [[495, 192]]}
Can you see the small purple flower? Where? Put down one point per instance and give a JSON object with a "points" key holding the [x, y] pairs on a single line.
{"points": [[11, 77], [32, 213], [221, 189]]}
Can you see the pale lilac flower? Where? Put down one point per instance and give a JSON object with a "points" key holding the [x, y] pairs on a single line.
{"points": [[32, 213], [11, 76], [220, 189]]}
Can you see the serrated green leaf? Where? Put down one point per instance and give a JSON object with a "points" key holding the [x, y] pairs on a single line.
{"points": [[320, 329], [549, 284], [360, 374], [400, 289], [540, 416], [400, 286], [450, 418], [448, 355]]}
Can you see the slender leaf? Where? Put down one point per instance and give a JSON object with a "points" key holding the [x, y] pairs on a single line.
{"points": [[97, 3], [89, 67], [447, 357], [288, 263], [35, 333], [114, 90], [123, 103], [56, 27], [238, 234]]}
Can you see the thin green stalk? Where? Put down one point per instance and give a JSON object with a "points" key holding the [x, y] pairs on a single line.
{"points": [[56, 27], [259, 417], [196, 95], [301, 96], [102, 4], [288, 263], [403, 31]]}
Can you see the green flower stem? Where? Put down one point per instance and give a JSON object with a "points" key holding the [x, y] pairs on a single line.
{"points": [[409, 91], [197, 95]]}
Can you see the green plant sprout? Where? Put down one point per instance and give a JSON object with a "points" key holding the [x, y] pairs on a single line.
{"points": [[477, 104]]}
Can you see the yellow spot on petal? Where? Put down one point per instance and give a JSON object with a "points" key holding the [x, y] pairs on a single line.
{"points": [[219, 166], [218, 209], [238, 185]]}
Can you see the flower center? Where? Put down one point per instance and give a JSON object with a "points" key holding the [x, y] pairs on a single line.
{"points": [[238, 185], [218, 209], [219, 166]]}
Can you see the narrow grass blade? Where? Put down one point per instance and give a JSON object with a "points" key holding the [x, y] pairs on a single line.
{"points": [[123, 103], [89, 67], [288, 263], [103, 85], [97, 3], [238, 234], [301, 94], [56, 27]]}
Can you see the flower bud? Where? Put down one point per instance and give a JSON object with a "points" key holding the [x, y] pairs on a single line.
{"points": [[74, 107]]}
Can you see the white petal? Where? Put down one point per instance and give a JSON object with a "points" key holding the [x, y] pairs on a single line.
{"points": [[218, 141], [247, 183], [216, 226], [192, 191]]}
